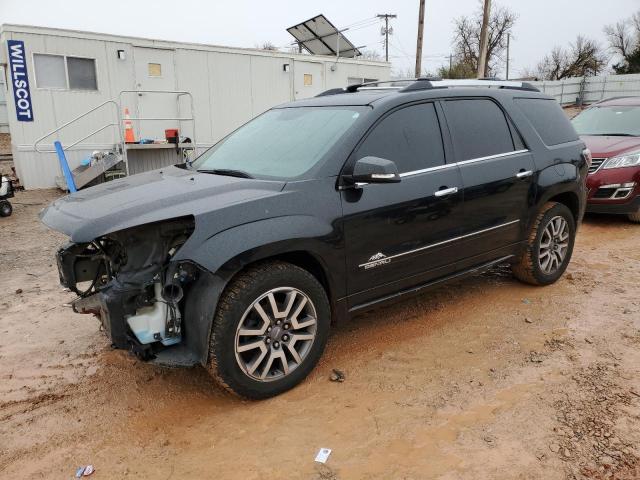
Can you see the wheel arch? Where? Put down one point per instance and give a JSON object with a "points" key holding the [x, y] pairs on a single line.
{"points": [[300, 240], [569, 199]]}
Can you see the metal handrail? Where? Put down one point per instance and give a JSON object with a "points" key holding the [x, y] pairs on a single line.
{"points": [[119, 124], [67, 147], [178, 93], [35, 144]]}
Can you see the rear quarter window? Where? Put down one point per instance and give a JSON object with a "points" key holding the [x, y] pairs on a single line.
{"points": [[548, 120]]}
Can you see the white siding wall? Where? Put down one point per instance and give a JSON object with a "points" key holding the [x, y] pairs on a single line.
{"points": [[4, 119], [229, 86]]}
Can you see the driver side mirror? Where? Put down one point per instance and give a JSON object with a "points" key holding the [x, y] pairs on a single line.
{"points": [[375, 170]]}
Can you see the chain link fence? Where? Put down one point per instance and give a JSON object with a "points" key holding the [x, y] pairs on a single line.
{"points": [[586, 90]]}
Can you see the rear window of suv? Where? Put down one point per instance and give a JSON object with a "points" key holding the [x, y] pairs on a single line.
{"points": [[548, 119]]}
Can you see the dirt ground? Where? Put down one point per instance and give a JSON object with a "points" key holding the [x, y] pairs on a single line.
{"points": [[486, 378]]}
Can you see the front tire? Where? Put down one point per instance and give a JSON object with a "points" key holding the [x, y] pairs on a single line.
{"points": [[269, 331], [549, 246], [634, 217]]}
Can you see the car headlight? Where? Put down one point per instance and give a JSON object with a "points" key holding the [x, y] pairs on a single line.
{"points": [[631, 159]]}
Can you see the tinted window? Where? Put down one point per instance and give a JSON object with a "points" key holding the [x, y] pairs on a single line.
{"points": [[410, 137], [479, 128], [548, 119]]}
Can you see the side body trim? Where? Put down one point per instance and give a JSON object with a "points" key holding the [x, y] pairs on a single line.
{"points": [[444, 242], [464, 162]]}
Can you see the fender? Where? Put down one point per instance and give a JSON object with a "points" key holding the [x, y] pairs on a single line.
{"points": [[227, 252], [556, 179], [561, 178], [237, 246]]}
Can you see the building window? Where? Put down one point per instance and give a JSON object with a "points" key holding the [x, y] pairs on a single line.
{"points": [[50, 71], [58, 71], [308, 79], [359, 80], [155, 70], [82, 73]]}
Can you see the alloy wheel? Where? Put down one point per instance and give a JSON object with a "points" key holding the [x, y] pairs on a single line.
{"points": [[275, 334], [554, 244]]}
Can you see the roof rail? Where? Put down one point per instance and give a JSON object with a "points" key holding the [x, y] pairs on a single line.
{"points": [[426, 83], [484, 82]]}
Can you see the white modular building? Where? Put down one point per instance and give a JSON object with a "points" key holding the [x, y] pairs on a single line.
{"points": [[74, 87]]}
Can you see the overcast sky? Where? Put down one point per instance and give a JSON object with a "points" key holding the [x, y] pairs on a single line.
{"points": [[541, 24]]}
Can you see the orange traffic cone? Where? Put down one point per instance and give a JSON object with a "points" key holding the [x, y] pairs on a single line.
{"points": [[129, 137]]}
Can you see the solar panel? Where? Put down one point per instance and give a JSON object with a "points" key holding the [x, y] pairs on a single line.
{"points": [[319, 36]]}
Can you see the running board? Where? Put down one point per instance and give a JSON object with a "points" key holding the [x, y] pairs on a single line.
{"points": [[414, 290]]}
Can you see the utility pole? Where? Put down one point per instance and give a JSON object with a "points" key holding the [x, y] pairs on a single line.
{"points": [[484, 40], [419, 43], [450, 64], [386, 32], [508, 39]]}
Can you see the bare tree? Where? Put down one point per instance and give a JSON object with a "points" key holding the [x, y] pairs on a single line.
{"points": [[370, 55], [624, 41], [466, 41], [584, 57], [267, 46]]}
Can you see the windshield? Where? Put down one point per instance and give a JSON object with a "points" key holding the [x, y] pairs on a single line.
{"points": [[281, 143], [615, 120]]}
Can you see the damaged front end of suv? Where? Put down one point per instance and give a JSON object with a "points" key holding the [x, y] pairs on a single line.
{"points": [[150, 255], [128, 280]]}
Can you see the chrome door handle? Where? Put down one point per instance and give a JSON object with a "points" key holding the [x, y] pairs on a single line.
{"points": [[525, 174], [446, 191]]}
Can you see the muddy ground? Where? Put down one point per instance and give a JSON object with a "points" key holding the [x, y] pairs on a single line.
{"points": [[486, 378]]}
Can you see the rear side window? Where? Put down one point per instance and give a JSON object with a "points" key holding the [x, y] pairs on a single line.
{"points": [[479, 128], [410, 137], [548, 119]]}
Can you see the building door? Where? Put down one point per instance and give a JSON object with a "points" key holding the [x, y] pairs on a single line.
{"points": [[308, 79], [154, 71]]}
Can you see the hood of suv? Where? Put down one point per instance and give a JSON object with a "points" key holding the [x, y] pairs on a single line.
{"points": [[610, 146], [149, 197]]}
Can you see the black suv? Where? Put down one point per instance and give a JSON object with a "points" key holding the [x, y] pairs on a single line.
{"points": [[319, 209]]}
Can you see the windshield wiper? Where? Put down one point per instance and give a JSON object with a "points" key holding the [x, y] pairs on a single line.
{"points": [[228, 172]]}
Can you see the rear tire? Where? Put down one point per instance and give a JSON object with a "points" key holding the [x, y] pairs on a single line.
{"points": [[269, 330], [549, 246], [634, 217], [5, 208]]}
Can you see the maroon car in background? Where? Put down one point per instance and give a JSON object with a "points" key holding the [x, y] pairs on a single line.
{"points": [[611, 130]]}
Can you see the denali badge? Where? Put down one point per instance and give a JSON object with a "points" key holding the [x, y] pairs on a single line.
{"points": [[376, 260]]}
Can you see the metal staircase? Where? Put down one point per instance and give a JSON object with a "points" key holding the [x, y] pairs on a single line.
{"points": [[102, 162]]}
